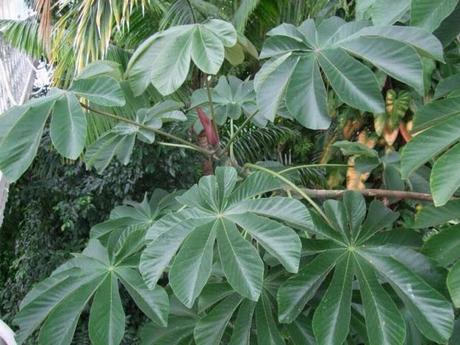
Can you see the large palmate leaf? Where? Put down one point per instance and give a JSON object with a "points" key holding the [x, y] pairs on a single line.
{"points": [[58, 301], [135, 215], [22, 126], [164, 59], [436, 135], [109, 259], [352, 246], [292, 77], [231, 98], [119, 142], [216, 210]]}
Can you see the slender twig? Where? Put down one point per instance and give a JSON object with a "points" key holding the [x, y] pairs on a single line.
{"points": [[148, 128], [292, 186], [377, 193], [238, 131]]}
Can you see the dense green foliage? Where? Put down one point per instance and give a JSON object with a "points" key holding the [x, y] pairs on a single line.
{"points": [[359, 95]]}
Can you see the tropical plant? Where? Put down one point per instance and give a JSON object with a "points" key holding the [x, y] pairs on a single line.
{"points": [[246, 255]]}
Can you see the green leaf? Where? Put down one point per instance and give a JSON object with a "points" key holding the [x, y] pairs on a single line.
{"points": [[431, 312], [212, 294], [301, 332], [192, 266], [156, 257], [324, 229], [207, 51], [255, 184], [108, 146], [102, 230], [350, 148], [436, 125], [101, 68], [432, 216], [226, 180], [68, 127], [354, 83], [448, 30], [203, 43], [240, 261], [378, 217], [180, 330], [294, 294], [426, 43], [279, 240], [242, 327], [271, 83], [443, 183], [19, 143], [436, 113], [292, 79], [177, 44], [61, 322], [43, 298], [107, 318], [231, 97], [306, 95], [267, 330], [331, 320], [444, 247], [291, 211], [381, 15], [384, 322], [453, 283], [153, 303], [447, 85], [355, 208], [396, 59], [210, 329], [102, 90], [429, 14]]}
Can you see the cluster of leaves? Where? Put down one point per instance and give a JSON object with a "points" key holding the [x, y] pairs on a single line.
{"points": [[247, 257]]}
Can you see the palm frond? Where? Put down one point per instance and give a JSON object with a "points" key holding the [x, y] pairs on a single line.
{"points": [[43, 8], [256, 144], [143, 24], [92, 24], [23, 35], [182, 12], [243, 13]]}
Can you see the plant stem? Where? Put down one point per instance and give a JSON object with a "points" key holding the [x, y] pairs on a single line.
{"points": [[163, 143], [378, 193], [148, 128], [293, 187], [211, 105], [231, 152], [234, 136]]}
